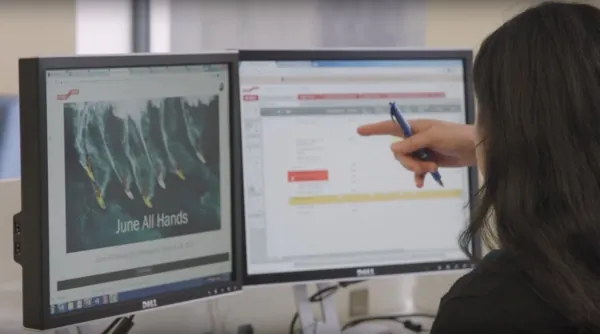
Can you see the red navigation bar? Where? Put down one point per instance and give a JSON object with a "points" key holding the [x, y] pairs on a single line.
{"points": [[250, 97], [308, 175], [359, 96]]}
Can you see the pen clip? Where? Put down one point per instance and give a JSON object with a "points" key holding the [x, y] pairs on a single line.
{"points": [[392, 108]]}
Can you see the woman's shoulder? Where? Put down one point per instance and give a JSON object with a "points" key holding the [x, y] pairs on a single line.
{"points": [[495, 271], [496, 298]]}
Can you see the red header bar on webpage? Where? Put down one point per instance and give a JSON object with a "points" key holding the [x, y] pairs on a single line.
{"points": [[250, 97]]}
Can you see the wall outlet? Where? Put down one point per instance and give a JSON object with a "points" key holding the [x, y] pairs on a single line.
{"points": [[358, 303]]}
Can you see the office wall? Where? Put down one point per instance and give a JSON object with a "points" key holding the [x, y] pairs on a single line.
{"points": [[103, 26], [33, 28], [465, 23], [199, 25]]}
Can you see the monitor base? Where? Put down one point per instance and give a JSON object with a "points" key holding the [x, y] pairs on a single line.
{"points": [[330, 323], [308, 322], [81, 329]]}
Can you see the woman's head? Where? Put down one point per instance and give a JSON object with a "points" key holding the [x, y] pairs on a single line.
{"points": [[537, 82]]}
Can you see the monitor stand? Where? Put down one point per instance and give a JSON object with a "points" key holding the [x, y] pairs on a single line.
{"points": [[330, 323], [80, 329]]}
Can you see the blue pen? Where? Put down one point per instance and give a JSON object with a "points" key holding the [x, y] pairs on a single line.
{"points": [[420, 154]]}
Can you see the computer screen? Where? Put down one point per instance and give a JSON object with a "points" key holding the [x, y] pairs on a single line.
{"points": [[10, 159], [139, 196], [323, 202]]}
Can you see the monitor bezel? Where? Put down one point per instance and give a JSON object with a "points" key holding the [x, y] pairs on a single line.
{"points": [[34, 229], [466, 56]]}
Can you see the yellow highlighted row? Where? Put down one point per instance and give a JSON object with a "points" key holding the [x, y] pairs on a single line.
{"points": [[375, 197]]}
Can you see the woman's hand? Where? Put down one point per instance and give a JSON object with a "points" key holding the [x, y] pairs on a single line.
{"points": [[449, 144]]}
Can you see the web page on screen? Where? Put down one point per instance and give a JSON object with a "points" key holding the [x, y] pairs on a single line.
{"points": [[319, 196]]}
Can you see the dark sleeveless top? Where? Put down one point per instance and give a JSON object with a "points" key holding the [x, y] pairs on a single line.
{"points": [[496, 298]]}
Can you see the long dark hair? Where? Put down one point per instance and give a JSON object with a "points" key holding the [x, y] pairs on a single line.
{"points": [[537, 82]]}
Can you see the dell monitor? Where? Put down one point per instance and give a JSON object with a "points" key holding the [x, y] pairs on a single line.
{"points": [[129, 184], [322, 203]]}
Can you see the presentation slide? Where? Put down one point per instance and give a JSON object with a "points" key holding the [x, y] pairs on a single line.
{"points": [[139, 182], [318, 195], [136, 170]]}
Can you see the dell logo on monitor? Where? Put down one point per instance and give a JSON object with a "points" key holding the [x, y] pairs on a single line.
{"points": [[365, 272], [146, 304]]}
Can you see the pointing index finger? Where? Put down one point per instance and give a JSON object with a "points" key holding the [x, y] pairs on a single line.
{"points": [[380, 128]]}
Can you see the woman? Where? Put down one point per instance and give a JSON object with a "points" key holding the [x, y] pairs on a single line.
{"points": [[537, 145]]}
